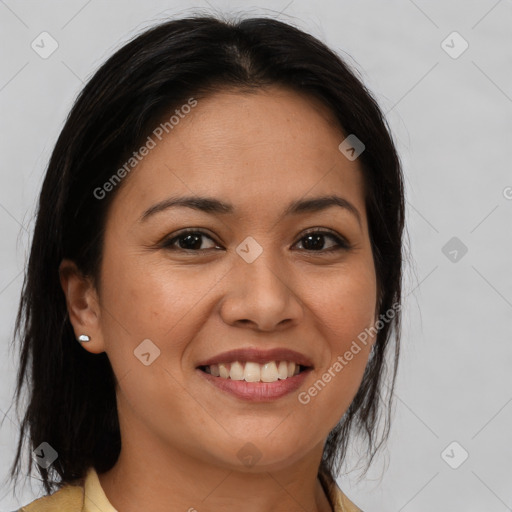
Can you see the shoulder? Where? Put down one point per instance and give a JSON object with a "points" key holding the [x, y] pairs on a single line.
{"points": [[339, 499], [344, 504], [69, 498]]}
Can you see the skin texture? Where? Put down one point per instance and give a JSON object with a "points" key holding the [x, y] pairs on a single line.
{"points": [[180, 434]]}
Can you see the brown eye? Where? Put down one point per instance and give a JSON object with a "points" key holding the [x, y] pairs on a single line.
{"points": [[187, 240], [315, 241]]}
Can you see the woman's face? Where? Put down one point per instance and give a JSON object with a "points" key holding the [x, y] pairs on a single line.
{"points": [[251, 281]]}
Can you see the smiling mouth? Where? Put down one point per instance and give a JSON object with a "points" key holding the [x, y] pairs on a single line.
{"points": [[249, 371]]}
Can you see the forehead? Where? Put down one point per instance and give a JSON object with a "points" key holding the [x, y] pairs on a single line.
{"points": [[258, 149]]}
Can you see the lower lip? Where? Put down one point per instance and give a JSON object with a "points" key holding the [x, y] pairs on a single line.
{"points": [[257, 391]]}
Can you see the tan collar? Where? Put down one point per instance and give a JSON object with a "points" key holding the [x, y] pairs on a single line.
{"points": [[87, 495], [338, 499]]}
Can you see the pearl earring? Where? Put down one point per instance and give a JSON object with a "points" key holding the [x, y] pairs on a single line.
{"points": [[84, 338]]}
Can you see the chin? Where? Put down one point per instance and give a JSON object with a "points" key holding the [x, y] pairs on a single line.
{"points": [[263, 455]]}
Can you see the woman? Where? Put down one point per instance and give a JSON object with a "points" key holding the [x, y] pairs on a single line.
{"points": [[220, 228]]}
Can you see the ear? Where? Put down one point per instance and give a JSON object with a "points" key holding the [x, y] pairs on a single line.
{"points": [[83, 306]]}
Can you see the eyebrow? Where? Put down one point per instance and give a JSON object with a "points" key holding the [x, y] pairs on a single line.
{"points": [[215, 206]]}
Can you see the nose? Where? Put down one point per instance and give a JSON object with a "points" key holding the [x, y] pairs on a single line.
{"points": [[261, 296]]}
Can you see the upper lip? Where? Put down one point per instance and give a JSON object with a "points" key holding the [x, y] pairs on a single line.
{"points": [[258, 356]]}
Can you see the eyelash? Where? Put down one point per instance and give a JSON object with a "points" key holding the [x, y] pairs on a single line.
{"points": [[342, 244]]}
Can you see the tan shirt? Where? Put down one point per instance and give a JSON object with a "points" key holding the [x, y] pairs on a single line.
{"points": [[89, 496]]}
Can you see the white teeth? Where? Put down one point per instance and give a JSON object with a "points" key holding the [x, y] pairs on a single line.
{"points": [[237, 371], [269, 372], [223, 371], [254, 372], [282, 370]]}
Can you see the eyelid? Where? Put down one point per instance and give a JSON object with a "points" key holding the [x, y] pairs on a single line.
{"points": [[341, 242], [168, 241]]}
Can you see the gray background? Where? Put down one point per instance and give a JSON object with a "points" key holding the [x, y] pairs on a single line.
{"points": [[451, 118]]}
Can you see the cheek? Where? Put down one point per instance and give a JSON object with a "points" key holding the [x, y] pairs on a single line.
{"points": [[159, 304], [345, 312], [346, 305], [151, 301]]}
